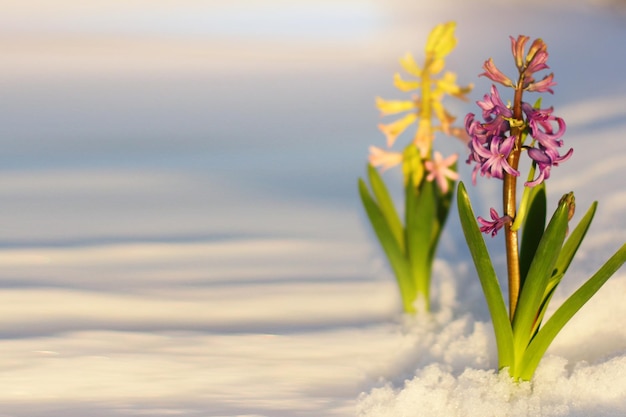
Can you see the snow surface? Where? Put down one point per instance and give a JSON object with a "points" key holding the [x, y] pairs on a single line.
{"points": [[180, 232]]}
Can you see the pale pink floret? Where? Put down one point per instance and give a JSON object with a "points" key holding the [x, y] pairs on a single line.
{"points": [[439, 170], [384, 159]]}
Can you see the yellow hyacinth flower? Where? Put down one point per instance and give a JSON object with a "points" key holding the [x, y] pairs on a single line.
{"points": [[425, 107], [409, 237]]}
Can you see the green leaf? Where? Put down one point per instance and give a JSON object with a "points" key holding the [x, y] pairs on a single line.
{"points": [[385, 203], [543, 308], [573, 242], [420, 216], [562, 263], [532, 229], [394, 253], [488, 279], [539, 274], [522, 209], [568, 309]]}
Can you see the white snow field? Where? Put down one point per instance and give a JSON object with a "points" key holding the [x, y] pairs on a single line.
{"points": [[180, 229]]}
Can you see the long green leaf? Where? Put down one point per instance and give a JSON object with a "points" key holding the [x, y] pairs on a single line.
{"points": [[573, 242], [568, 309], [543, 308], [394, 253], [532, 229], [563, 261], [385, 203], [488, 279], [539, 274], [420, 216]]}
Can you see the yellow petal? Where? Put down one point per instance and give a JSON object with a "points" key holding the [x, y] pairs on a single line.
{"points": [[441, 40], [410, 66], [404, 85], [392, 130], [463, 91], [445, 119], [435, 66], [424, 137], [447, 84], [388, 107]]}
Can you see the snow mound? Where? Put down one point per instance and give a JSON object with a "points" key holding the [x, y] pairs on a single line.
{"points": [[437, 391]]}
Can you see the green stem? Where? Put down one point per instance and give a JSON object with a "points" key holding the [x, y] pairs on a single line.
{"points": [[422, 284], [426, 106]]}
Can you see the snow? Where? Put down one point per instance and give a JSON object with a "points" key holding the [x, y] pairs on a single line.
{"points": [[180, 231]]}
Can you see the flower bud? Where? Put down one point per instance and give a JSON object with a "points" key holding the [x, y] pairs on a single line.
{"points": [[571, 204]]}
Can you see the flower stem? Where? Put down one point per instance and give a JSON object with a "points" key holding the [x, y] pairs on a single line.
{"points": [[509, 204], [424, 133]]}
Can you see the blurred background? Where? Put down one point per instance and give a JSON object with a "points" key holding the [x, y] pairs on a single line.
{"points": [[191, 119], [188, 119]]}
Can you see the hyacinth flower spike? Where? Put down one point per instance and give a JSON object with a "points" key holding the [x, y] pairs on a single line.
{"points": [[428, 176], [536, 267]]}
